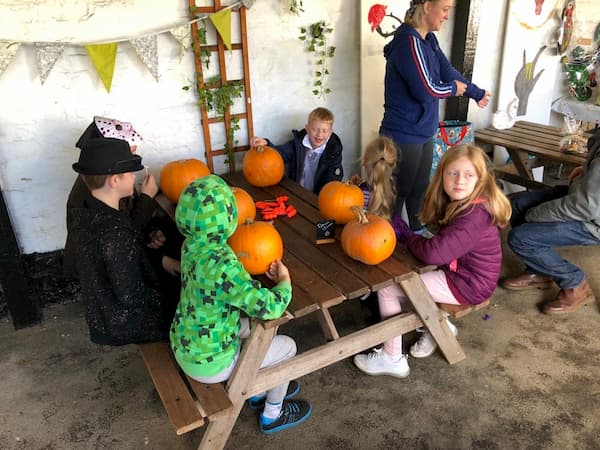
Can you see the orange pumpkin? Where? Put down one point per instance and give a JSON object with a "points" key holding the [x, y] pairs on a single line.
{"points": [[176, 175], [245, 205], [257, 245], [262, 166], [336, 200], [368, 238]]}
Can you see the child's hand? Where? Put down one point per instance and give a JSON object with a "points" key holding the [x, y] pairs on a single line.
{"points": [[355, 179], [460, 87], [171, 265], [149, 186], [278, 272], [258, 141], [402, 230], [157, 239]]}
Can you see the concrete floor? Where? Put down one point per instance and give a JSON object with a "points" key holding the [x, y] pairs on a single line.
{"points": [[529, 381]]}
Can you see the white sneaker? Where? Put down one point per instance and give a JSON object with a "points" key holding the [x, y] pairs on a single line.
{"points": [[426, 345], [379, 362]]}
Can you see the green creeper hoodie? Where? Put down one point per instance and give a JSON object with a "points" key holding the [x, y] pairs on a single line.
{"points": [[215, 287]]}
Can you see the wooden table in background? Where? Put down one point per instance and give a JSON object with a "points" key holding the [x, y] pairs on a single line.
{"points": [[522, 140], [323, 276]]}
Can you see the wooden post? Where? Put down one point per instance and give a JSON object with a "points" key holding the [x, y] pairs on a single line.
{"points": [[462, 57], [23, 309]]}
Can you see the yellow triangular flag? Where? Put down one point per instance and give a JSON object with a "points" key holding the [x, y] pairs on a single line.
{"points": [[222, 22], [103, 57]]}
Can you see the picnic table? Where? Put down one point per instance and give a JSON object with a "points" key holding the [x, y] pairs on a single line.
{"points": [[323, 276], [521, 141]]}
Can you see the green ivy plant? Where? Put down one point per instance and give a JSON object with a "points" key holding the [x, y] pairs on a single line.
{"points": [[217, 97], [315, 39], [296, 7]]}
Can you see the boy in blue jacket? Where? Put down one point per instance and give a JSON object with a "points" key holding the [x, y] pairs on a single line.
{"points": [[313, 157]]}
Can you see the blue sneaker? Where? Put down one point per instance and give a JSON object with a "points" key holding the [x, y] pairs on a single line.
{"points": [[293, 413], [257, 403]]}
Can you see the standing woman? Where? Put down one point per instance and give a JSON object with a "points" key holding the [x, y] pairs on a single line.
{"points": [[417, 76]]}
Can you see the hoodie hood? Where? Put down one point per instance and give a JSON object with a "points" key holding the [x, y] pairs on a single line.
{"points": [[401, 35], [207, 211]]}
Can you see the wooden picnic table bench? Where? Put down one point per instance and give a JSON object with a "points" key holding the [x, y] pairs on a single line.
{"points": [[521, 141], [323, 276]]}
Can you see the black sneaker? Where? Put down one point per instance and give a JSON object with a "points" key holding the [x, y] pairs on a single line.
{"points": [[293, 413], [259, 403]]}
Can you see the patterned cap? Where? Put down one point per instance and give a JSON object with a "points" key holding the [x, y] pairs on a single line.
{"points": [[114, 128]]}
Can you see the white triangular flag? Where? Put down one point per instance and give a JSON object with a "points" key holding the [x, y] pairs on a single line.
{"points": [[8, 50], [147, 49], [183, 34], [47, 54]]}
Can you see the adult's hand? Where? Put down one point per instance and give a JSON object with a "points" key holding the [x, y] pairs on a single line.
{"points": [[460, 88], [485, 100], [149, 186], [258, 141]]}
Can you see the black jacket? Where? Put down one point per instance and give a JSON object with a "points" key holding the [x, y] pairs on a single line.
{"points": [[119, 288], [330, 164]]}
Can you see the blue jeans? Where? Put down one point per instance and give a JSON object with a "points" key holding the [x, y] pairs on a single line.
{"points": [[535, 242]]}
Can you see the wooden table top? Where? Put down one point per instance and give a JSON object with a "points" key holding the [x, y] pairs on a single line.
{"points": [[540, 140], [322, 274]]}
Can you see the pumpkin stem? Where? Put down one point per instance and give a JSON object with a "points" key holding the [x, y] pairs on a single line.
{"points": [[260, 149], [248, 221], [360, 214]]}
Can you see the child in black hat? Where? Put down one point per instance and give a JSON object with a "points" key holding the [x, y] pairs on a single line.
{"points": [[123, 302], [163, 241]]}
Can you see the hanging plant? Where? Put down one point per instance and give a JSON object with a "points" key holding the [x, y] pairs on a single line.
{"points": [[296, 7], [217, 97], [315, 39]]}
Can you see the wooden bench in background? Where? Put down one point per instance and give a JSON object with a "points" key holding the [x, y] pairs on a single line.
{"points": [[187, 402]]}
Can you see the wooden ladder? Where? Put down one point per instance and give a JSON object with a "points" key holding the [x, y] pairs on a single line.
{"points": [[230, 149]]}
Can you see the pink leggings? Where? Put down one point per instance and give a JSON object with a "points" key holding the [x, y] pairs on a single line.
{"points": [[392, 298]]}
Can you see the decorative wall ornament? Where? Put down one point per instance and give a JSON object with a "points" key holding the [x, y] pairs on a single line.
{"points": [[46, 55], [147, 49], [315, 40], [103, 54], [103, 58], [8, 50]]}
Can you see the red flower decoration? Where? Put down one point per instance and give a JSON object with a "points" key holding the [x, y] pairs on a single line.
{"points": [[376, 15]]}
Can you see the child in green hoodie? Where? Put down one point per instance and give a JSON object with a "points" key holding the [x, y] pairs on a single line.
{"points": [[215, 289]]}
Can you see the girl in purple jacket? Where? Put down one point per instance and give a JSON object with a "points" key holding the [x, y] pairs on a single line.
{"points": [[466, 207]]}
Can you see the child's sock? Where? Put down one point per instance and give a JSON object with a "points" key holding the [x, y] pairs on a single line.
{"points": [[271, 411]]}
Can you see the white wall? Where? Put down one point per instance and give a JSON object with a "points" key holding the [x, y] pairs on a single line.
{"points": [[40, 124]]}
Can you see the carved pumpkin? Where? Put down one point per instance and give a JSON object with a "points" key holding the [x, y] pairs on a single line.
{"points": [[368, 238], [245, 205], [176, 175], [263, 166], [336, 200], [257, 245]]}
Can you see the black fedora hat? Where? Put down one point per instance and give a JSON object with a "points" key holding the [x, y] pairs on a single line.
{"points": [[106, 156]]}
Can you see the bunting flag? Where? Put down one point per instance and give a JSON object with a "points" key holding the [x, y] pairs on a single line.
{"points": [[222, 22], [8, 50], [47, 54], [147, 49], [183, 35], [103, 57]]}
